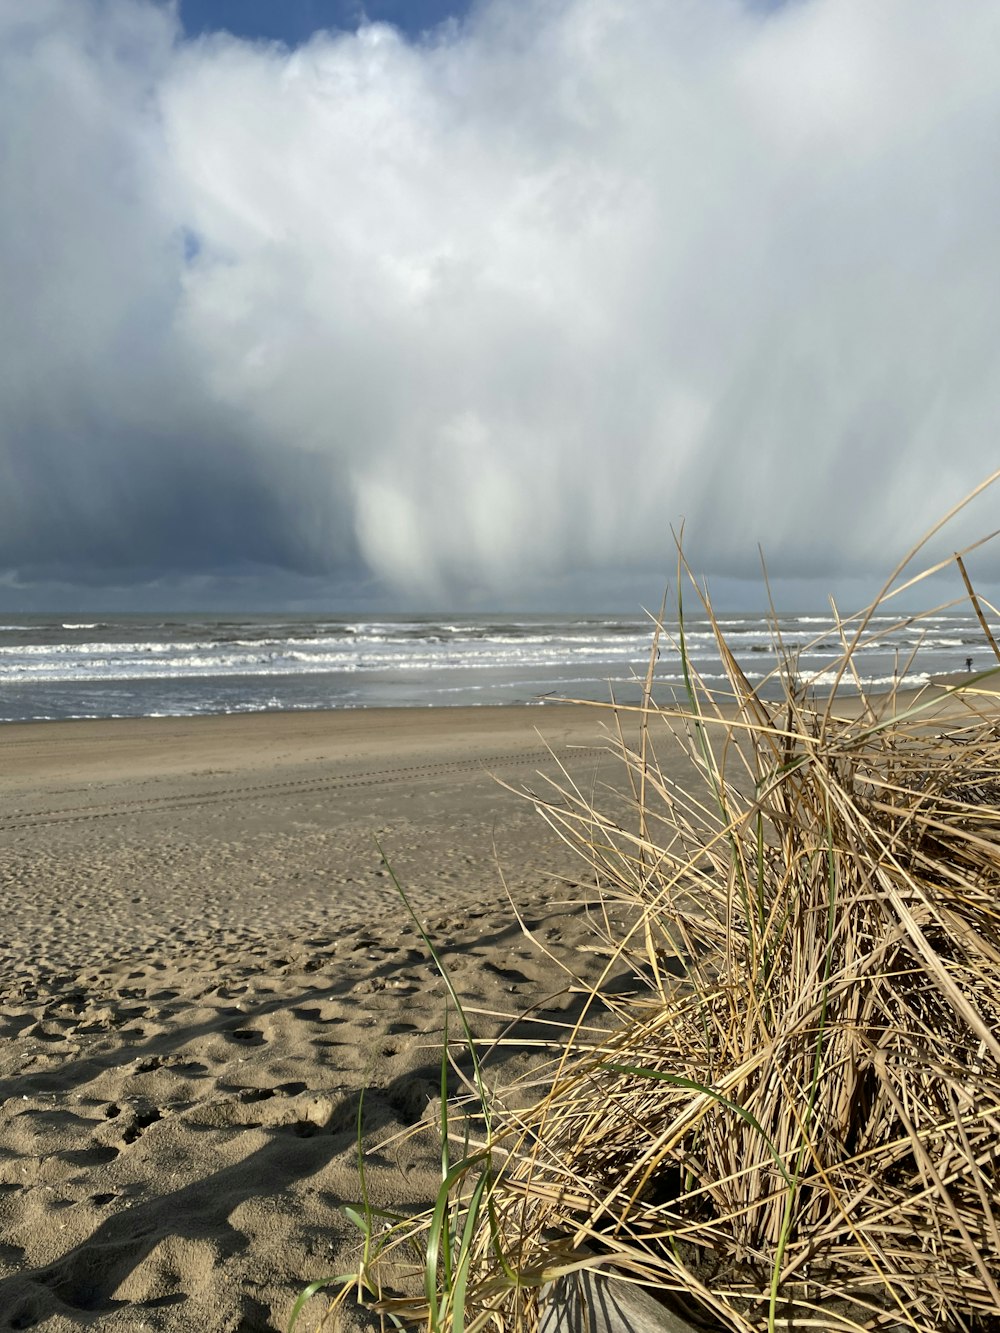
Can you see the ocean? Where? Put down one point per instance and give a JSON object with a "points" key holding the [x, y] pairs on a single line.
{"points": [[182, 665]]}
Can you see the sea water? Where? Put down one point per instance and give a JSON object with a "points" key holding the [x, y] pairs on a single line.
{"points": [[74, 666]]}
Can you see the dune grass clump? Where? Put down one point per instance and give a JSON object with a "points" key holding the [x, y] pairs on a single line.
{"points": [[802, 1128], [793, 1119]]}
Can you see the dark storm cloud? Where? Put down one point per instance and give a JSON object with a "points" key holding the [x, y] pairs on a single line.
{"points": [[116, 461], [95, 509], [485, 314]]}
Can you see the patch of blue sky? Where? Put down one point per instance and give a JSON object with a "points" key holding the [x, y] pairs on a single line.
{"points": [[191, 242], [294, 21]]}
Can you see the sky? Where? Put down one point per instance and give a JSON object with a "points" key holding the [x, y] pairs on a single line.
{"points": [[417, 305], [295, 21]]}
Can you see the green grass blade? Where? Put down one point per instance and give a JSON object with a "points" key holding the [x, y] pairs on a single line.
{"points": [[338, 1280], [438, 1273], [679, 1081], [464, 1264]]}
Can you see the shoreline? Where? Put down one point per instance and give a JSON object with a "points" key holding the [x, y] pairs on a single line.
{"points": [[595, 690], [986, 681]]}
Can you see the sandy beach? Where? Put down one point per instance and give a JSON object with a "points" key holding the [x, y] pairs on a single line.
{"points": [[205, 961]]}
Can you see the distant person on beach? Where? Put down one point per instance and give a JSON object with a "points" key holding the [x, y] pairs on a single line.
{"points": [[968, 664]]}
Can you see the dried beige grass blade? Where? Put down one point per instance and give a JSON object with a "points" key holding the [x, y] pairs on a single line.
{"points": [[987, 632]]}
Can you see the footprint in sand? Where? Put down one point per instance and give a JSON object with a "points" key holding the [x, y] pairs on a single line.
{"points": [[247, 1036]]}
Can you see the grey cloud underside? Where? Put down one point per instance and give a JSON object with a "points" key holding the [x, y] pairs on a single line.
{"points": [[100, 515], [481, 318]]}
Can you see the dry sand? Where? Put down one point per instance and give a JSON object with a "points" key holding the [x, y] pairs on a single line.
{"points": [[204, 962]]}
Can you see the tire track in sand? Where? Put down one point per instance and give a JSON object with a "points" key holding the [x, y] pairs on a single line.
{"points": [[304, 786]]}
